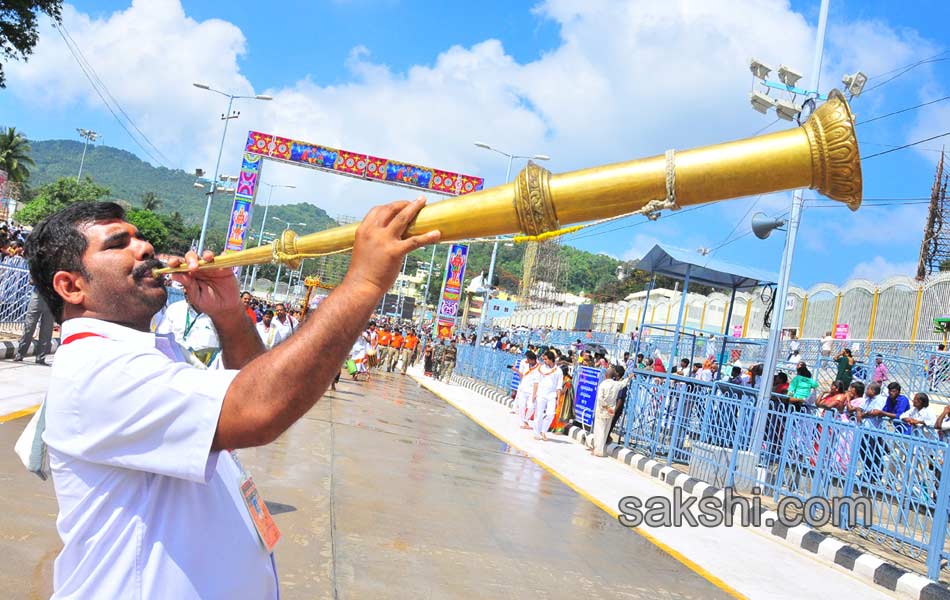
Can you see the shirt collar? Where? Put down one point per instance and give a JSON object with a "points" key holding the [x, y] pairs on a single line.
{"points": [[107, 329]]}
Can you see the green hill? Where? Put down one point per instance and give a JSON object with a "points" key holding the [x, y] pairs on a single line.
{"points": [[128, 178]]}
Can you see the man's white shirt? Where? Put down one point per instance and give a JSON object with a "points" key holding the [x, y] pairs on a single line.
{"points": [[287, 328], [191, 329], [146, 509], [271, 336]]}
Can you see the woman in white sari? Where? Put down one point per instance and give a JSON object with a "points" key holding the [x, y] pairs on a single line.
{"points": [[545, 394]]}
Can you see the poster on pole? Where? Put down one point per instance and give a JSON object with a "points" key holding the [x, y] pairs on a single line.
{"points": [[841, 331], [451, 296], [585, 395], [737, 331]]}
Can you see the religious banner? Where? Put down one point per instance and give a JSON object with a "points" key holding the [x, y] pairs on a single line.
{"points": [[841, 331], [361, 165], [585, 394], [244, 193], [451, 296]]}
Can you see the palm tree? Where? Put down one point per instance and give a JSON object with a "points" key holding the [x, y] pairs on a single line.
{"points": [[15, 155], [150, 201]]}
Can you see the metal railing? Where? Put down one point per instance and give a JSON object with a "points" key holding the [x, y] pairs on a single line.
{"points": [[706, 429], [15, 291]]}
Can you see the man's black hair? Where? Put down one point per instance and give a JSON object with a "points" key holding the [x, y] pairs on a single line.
{"points": [[57, 244], [894, 386], [530, 355]]}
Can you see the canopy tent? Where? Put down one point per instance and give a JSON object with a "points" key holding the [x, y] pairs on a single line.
{"points": [[696, 268], [675, 262]]}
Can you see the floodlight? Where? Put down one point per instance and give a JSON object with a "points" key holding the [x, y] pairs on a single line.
{"points": [[541, 157], [483, 145], [788, 76], [761, 102], [759, 69], [855, 83], [703, 251], [233, 177], [199, 185], [787, 110], [264, 97], [203, 86]]}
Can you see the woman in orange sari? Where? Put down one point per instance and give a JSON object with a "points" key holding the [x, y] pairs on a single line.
{"points": [[564, 414]]}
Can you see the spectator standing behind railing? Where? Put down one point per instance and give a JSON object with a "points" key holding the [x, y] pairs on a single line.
{"points": [[920, 414], [802, 387], [826, 343], [897, 404], [881, 376], [845, 365]]}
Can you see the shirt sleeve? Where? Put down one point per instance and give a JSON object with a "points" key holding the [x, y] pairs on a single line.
{"points": [[138, 410]]}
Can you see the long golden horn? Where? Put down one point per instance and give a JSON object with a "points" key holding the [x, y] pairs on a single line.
{"points": [[822, 154]]}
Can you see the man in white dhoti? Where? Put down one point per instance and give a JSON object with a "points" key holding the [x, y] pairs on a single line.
{"points": [[528, 369], [549, 382], [607, 393]]}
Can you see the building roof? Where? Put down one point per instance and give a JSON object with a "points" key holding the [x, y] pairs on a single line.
{"points": [[673, 262]]}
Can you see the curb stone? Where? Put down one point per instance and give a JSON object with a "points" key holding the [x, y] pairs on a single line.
{"points": [[864, 565], [8, 348]]}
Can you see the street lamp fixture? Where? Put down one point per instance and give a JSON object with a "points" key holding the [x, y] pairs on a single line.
{"points": [[759, 69], [855, 83], [494, 252], [226, 117], [788, 76]]}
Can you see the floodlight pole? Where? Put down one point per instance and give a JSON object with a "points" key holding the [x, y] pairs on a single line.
{"points": [[781, 292]]}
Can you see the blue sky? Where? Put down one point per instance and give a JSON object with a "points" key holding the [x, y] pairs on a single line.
{"points": [[584, 82]]}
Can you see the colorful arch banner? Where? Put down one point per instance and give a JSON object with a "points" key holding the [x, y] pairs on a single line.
{"points": [[360, 165]]}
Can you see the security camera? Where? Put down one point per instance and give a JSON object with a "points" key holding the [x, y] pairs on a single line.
{"points": [[199, 172], [787, 110], [855, 83], [788, 76], [759, 69], [761, 102]]}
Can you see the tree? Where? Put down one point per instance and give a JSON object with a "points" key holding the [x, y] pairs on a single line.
{"points": [[15, 155], [56, 196], [150, 226], [151, 201], [18, 27]]}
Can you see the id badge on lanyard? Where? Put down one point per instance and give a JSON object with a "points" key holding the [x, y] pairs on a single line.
{"points": [[267, 530]]}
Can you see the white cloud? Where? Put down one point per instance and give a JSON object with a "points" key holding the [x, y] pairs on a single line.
{"points": [[878, 269], [628, 80]]}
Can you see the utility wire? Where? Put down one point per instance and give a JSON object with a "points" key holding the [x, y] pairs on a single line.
{"points": [[905, 146], [903, 110], [99, 92], [105, 88], [902, 70]]}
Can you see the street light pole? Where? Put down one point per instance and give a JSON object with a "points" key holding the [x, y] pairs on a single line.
{"points": [[226, 117], [260, 238], [287, 225], [494, 251], [778, 313], [88, 135], [425, 298]]}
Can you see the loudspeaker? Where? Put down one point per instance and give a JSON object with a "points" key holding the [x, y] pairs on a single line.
{"points": [[763, 225]]}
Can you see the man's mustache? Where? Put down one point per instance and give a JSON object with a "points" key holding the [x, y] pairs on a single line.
{"points": [[145, 269]]}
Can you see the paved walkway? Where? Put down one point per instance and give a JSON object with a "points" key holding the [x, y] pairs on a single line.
{"points": [[385, 491], [746, 561]]}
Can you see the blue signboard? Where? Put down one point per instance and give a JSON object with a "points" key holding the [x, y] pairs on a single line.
{"points": [[585, 394], [516, 377]]}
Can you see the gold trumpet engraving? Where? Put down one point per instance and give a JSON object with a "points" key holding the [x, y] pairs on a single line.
{"points": [[822, 154]]}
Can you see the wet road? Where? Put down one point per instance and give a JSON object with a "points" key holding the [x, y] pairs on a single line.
{"points": [[385, 491]]}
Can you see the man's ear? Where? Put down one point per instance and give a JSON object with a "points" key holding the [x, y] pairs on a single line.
{"points": [[70, 286]]}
